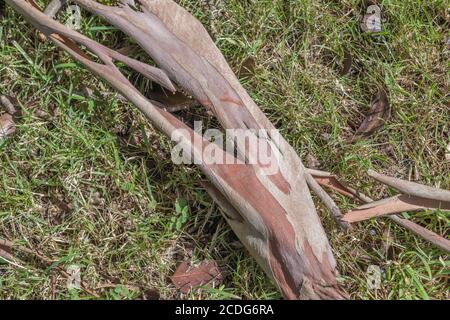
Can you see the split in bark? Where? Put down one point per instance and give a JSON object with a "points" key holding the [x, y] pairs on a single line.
{"points": [[278, 222]]}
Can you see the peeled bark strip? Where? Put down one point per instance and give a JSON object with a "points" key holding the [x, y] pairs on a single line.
{"points": [[341, 188], [412, 188], [53, 7], [397, 204], [328, 202], [415, 197], [274, 214], [329, 180], [426, 234]]}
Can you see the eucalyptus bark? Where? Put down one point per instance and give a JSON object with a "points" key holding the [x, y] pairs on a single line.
{"points": [[272, 214]]}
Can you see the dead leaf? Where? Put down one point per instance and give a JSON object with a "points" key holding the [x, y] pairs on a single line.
{"points": [[247, 68], [6, 245], [371, 21], [150, 294], [187, 277], [128, 50], [7, 126], [171, 102], [42, 114], [2, 9], [347, 63], [378, 114], [6, 249], [59, 208], [9, 105], [6, 255]]}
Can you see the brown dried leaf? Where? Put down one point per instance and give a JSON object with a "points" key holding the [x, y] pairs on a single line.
{"points": [[6, 249], [2, 8], [42, 114], [6, 255], [187, 277], [7, 126], [247, 68], [378, 114], [59, 208], [8, 105], [347, 63], [171, 102], [128, 50]]}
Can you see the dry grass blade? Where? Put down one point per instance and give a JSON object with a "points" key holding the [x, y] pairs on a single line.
{"points": [[447, 153]]}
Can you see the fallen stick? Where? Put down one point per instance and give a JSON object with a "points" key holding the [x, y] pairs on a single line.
{"points": [[328, 202], [333, 183], [414, 197], [397, 204], [412, 188], [279, 226], [53, 7]]}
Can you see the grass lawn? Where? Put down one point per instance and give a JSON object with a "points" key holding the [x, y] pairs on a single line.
{"points": [[86, 181]]}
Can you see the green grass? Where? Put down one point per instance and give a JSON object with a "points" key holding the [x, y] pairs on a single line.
{"points": [[93, 185]]}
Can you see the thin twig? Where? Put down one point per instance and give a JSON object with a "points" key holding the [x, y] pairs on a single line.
{"points": [[53, 7], [412, 188], [420, 231], [327, 201]]}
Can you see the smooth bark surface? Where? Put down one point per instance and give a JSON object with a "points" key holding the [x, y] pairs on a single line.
{"points": [[272, 214]]}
